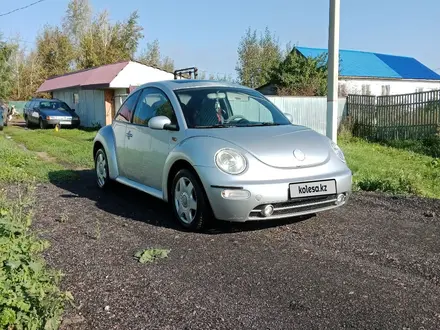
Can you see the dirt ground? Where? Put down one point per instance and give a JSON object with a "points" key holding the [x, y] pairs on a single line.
{"points": [[373, 264]]}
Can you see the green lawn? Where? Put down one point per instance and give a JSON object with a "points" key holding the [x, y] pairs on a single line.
{"points": [[375, 167], [18, 165], [72, 146], [380, 168]]}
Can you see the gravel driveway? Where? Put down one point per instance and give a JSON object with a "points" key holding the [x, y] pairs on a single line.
{"points": [[373, 264]]}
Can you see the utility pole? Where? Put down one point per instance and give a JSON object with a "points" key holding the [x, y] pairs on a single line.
{"points": [[333, 70]]}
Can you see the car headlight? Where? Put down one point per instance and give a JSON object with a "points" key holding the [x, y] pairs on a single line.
{"points": [[337, 151], [230, 161]]}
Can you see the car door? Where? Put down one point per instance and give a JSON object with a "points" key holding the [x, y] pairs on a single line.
{"points": [[122, 118], [33, 114], [147, 149]]}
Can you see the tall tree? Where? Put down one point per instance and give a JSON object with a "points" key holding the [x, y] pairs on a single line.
{"points": [[5, 69], [55, 51], [257, 57], [300, 75], [107, 43], [77, 20], [153, 57]]}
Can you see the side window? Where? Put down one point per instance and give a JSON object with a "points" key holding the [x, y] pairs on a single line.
{"points": [[153, 102], [126, 109], [144, 110]]}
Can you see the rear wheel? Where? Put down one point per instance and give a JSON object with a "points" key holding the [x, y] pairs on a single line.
{"points": [[189, 202], [101, 168]]}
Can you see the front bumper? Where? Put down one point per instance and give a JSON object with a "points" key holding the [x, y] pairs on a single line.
{"points": [[276, 193], [63, 122]]}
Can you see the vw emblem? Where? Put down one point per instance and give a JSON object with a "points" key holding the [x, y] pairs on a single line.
{"points": [[299, 154]]}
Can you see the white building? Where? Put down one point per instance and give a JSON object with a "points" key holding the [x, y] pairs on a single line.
{"points": [[377, 74], [97, 93]]}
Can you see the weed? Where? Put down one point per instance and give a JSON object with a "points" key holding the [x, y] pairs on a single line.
{"points": [[29, 294], [151, 255]]}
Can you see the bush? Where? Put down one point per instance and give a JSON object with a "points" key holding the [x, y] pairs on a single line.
{"points": [[29, 293]]}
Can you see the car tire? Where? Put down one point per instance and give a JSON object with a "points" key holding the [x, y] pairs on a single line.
{"points": [[101, 169], [189, 200], [42, 124]]}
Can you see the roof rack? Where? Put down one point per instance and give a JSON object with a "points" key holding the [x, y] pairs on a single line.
{"points": [[191, 72]]}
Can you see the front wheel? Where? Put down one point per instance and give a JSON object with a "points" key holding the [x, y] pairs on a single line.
{"points": [[101, 168], [43, 125], [189, 202]]}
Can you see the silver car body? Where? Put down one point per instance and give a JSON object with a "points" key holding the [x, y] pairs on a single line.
{"points": [[281, 161]]}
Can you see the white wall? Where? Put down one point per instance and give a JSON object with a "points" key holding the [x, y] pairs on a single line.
{"points": [[90, 108], [354, 86], [309, 111], [136, 74], [66, 95]]}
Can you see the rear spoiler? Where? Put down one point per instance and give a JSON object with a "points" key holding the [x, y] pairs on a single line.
{"points": [[186, 73]]}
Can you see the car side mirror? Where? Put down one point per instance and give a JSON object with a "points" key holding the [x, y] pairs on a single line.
{"points": [[288, 116], [73, 110], [159, 122]]}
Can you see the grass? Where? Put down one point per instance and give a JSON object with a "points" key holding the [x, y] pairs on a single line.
{"points": [[383, 168], [71, 146], [404, 168], [18, 165], [30, 297]]}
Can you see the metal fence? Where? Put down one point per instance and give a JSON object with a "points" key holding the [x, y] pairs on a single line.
{"points": [[309, 111], [395, 117]]}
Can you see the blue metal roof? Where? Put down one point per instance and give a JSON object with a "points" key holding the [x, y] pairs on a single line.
{"points": [[367, 64]]}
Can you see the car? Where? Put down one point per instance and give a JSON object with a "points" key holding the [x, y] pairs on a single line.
{"points": [[4, 114], [218, 150], [46, 113]]}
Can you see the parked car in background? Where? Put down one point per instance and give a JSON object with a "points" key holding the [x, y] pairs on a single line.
{"points": [[48, 113], [219, 150], [3, 115]]}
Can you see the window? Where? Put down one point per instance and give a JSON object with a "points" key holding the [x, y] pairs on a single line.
{"points": [[385, 89], [153, 102], [419, 89], [126, 109], [54, 105], [75, 98], [227, 107], [366, 90]]}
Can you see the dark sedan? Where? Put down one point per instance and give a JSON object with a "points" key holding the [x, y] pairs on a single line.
{"points": [[50, 112]]}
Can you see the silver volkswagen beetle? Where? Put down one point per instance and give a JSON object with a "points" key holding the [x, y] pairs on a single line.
{"points": [[219, 150]]}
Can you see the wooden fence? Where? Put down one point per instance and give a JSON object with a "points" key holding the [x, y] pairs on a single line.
{"points": [[406, 116]]}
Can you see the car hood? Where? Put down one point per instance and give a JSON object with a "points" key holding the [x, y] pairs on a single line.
{"points": [[275, 145], [52, 113]]}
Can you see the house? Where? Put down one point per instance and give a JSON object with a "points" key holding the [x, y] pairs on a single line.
{"points": [[97, 93], [370, 73]]}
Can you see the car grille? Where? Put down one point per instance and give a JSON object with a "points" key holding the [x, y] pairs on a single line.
{"points": [[295, 207]]}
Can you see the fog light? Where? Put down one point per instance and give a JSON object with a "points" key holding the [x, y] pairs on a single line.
{"points": [[267, 211], [341, 199], [236, 194]]}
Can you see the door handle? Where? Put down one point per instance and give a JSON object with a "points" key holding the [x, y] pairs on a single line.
{"points": [[129, 135]]}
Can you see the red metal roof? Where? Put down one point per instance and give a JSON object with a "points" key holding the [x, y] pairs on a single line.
{"points": [[95, 76]]}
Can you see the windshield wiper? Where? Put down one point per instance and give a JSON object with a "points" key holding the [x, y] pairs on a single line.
{"points": [[262, 124], [213, 126]]}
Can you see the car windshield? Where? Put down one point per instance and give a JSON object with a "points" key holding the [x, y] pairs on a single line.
{"points": [[54, 105], [219, 107]]}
